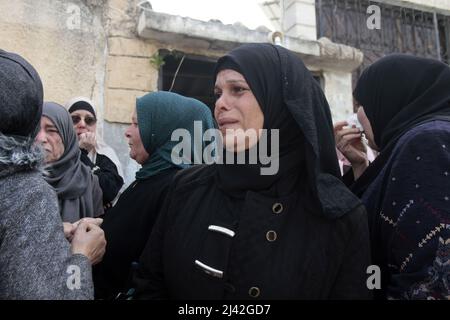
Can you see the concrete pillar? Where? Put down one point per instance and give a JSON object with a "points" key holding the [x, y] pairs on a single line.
{"points": [[338, 90], [299, 18]]}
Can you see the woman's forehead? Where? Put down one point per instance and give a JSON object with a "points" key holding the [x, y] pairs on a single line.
{"points": [[47, 122], [229, 76]]}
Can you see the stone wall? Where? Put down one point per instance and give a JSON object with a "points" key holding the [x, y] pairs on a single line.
{"points": [[84, 48], [129, 74], [299, 18], [65, 42]]}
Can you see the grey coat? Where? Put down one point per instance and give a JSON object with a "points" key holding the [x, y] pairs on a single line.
{"points": [[35, 258]]}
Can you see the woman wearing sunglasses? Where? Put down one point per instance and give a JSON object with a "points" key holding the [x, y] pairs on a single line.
{"points": [[95, 153]]}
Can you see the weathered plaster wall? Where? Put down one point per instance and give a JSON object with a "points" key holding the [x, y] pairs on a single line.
{"points": [[67, 47]]}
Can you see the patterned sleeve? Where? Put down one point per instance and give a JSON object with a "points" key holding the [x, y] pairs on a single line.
{"points": [[415, 216]]}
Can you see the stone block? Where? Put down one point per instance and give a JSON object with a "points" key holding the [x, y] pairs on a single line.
{"points": [[338, 90], [119, 46], [299, 13], [120, 104], [131, 73], [302, 32]]}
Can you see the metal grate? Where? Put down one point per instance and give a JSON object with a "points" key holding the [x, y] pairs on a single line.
{"points": [[403, 30]]}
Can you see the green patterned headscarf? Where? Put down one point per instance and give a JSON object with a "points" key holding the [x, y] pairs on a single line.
{"points": [[158, 115]]}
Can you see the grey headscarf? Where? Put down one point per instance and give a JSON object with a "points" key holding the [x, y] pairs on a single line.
{"points": [[71, 179], [21, 98]]}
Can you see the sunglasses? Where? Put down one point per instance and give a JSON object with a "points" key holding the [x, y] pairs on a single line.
{"points": [[90, 121]]}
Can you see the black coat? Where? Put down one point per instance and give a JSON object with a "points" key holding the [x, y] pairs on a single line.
{"points": [[108, 177], [127, 228], [312, 257]]}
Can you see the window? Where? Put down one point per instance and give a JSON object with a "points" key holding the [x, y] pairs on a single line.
{"points": [[194, 77]]}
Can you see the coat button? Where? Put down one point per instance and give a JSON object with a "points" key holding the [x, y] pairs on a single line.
{"points": [[271, 236], [277, 208], [254, 292]]}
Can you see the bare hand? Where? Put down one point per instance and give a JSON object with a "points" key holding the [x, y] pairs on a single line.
{"points": [[87, 141], [349, 143], [70, 228], [89, 240], [97, 221]]}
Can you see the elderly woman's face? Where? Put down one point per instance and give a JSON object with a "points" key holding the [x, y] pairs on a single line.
{"points": [[236, 111], [137, 150], [51, 140], [83, 121]]}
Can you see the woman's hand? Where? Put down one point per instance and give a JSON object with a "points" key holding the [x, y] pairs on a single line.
{"points": [[70, 228], [89, 240], [349, 143], [87, 141], [97, 221]]}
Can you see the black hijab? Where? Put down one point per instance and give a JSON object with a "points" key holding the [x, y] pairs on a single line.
{"points": [[293, 102], [399, 92]]}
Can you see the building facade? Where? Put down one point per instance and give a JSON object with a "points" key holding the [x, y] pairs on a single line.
{"points": [[113, 51]]}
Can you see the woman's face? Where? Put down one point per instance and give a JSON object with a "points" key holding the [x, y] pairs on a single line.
{"points": [[51, 140], [362, 117], [237, 111], [83, 121], [137, 150]]}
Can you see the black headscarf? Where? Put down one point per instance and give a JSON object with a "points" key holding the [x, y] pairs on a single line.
{"points": [[81, 105], [293, 102], [399, 92]]}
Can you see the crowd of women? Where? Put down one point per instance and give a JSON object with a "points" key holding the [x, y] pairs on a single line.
{"points": [[225, 230]]}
